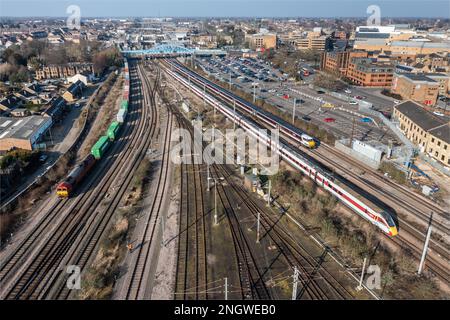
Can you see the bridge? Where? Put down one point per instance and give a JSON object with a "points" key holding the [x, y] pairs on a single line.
{"points": [[170, 51]]}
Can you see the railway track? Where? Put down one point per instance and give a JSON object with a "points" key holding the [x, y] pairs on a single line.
{"points": [[439, 248], [141, 262], [38, 273], [191, 275], [424, 216], [410, 205], [253, 285], [434, 265]]}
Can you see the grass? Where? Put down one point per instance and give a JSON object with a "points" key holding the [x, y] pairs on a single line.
{"points": [[353, 240], [99, 279], [396, 174]]}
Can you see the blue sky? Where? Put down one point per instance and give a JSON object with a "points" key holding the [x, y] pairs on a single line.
{"points": [[226, 8]]}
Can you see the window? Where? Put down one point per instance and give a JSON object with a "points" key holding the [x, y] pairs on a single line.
{"points": [[438, 143], [432, 139], [436, 154], [445, 147], [442, 158]]}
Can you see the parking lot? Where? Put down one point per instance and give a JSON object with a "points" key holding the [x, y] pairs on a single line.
{"points": [[339, 116]]}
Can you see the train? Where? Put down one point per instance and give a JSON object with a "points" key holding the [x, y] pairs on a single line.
{"points": [[67, 186], [301, 137], [383, 220]]}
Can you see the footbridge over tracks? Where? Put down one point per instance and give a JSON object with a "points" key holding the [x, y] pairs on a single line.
{"points": [[171, 51]]}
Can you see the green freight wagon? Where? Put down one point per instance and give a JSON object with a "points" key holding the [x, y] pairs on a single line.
{"points": [[124, 104], [100, 147], [113, 130]]}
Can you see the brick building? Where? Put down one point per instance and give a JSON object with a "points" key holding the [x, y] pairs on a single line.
{"points": [[417, 87], [429, 132], [370, 73], [63, 71]]}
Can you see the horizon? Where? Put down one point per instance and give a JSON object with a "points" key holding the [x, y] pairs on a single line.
{"points": [[324, 9]]}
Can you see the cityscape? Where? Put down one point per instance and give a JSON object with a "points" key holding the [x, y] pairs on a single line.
{"points": [[199, 154]]}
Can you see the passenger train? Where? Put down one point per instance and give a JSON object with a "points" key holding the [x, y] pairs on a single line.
{"points": [[301, 137], [381, 219]]}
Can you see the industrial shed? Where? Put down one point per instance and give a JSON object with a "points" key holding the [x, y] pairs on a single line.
{"points": [[22, 133]]}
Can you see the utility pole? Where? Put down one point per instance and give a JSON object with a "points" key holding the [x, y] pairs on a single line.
{"points": [[293, 112], [257, 229], [215, 202], [234, 113], [207, 170], [359, 287], [204, 96], [294, 285], [226, 288], [268, 198], [353, 132], [425, 249]]}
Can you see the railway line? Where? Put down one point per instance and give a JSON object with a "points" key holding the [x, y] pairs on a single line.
{"points": [[37, 273], [223, 95], [137, 277], [253, 284], [437, 268]]}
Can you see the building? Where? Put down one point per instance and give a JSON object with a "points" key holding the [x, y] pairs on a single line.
{"points": [[77, 77], [22, 133], [74, 91], [261, 41], [370, 73], [54, 109], [337, 61], [313, 41], [63, 71], [395, 48], [428, 131], [417, 87], [10, 102], [443, 80]]}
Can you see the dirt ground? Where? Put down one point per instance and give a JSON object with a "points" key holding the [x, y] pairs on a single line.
{"points": [[440, 179]]}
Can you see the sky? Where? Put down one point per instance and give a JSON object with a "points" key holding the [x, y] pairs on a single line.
{"points": [[225, 8]]}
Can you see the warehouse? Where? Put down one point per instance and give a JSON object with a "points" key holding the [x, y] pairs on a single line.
{"points": [[22, 133]]}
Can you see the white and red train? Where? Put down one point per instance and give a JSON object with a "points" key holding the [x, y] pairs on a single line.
{"points": [[381, 219], [269, 119]]}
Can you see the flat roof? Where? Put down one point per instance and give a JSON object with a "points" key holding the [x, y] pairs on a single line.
{"points": [[417, 77], [21, 128]]}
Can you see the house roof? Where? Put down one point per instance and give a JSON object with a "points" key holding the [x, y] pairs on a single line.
{"points": [[421, 117], [442, 132]]}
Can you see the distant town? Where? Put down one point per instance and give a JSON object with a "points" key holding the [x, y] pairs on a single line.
{"points": [[359, 114]]}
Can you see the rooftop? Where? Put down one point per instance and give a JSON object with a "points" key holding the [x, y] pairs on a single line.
{"points": [[442, 132], [21, 128], [424, 119], [417, 77]]}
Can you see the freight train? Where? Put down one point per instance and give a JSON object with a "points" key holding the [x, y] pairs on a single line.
{"points": [[369, 211], [65, 188], [301, 137]]}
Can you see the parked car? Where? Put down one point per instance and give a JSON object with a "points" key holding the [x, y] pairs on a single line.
{"points": [[359, 97], [347, 91], [329, 119], [306, 118], [353, 102], [320, 91]]}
